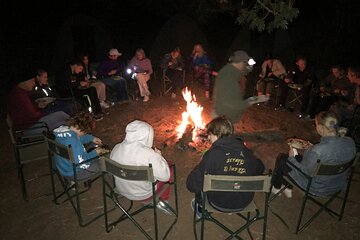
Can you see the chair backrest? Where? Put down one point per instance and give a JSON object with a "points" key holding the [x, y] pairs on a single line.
{"points": [[228, 183], [333, 169], [61, 150], [127, 172]]}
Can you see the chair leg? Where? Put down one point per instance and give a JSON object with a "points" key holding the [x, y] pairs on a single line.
{"points": [[301, 213]]}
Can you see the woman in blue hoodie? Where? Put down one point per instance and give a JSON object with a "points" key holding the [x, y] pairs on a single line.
{"points": [[77, 133]]}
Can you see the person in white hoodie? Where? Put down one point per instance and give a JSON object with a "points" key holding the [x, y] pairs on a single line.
{"points": [[136, 150]]}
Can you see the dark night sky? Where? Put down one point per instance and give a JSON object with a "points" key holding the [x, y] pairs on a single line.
{"points": [[325, 31]]}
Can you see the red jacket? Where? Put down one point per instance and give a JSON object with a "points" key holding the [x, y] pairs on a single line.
{"points": [[21, 109]]}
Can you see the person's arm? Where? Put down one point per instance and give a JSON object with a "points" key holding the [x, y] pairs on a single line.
{"points": [[308, 161], [86, 138], [195, 180], [160, 167], [148, 67]]}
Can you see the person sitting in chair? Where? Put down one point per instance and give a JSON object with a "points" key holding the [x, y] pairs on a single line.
{"points": [[272, 72], [141, 66], [76, 133], [202, 66], [227, 156], [173, 65], [25, 113], [137, 150], [333, 148]]}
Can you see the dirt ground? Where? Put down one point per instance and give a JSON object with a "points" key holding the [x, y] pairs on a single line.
{"points": [[264, 130]]}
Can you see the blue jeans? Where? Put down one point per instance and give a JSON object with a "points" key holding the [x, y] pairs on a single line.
{"points": [[119, 86]]}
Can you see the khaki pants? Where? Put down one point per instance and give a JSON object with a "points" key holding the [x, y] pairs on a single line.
{"points": [[100, 90], [142, 82]]}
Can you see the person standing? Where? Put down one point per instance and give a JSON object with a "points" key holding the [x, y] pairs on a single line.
{"points": [[141, 65], [230, 86]]}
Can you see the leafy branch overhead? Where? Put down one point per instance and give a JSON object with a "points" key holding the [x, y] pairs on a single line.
{"points": [[261, 14]]}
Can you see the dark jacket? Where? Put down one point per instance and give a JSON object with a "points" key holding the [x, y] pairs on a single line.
{"points": [[227, 156]]}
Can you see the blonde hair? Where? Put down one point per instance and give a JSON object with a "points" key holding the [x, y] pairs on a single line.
{"points": [[329, 121], [201, 48]]}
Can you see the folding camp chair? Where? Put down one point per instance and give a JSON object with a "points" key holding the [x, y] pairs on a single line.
{"points": [[251, 213], [135, 173], [29, 146], [323, 202], [71, 185], [167, 82]]}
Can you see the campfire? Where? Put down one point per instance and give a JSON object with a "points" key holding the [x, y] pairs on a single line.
{"points": [[192, 124]]}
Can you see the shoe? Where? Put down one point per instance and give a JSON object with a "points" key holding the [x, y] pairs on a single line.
{"points": [[198, 208], [275, 191], [104, 105], [146, 99], [98, 117], [288, 192], [173, 95], [164, 208]]}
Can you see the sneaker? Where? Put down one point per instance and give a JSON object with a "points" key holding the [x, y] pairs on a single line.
{"points": [[146, 99], [173, 95], [164, 208], [275, 191], [288, 192], [104, 105], [198, 208]]}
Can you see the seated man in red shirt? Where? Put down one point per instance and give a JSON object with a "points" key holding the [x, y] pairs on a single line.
{"points": [[23, 112]]}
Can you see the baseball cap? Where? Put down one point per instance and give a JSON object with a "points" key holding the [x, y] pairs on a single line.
{"points": [[114, 52], [241, 56]]}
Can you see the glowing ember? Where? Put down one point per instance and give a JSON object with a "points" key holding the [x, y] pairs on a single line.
{"points": [[193, 113]]}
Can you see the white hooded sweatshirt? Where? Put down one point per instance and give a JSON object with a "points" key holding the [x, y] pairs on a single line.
{"points": [[136, 150]]}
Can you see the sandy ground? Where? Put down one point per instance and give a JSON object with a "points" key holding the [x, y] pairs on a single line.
{"points": [[264, 130]]}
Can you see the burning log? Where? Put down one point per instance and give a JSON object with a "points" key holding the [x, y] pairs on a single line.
{"points": [[184, 142]]}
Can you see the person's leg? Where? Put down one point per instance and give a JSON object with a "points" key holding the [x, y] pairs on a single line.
{"points": [[92, 170], [52, 120], [59, 105], [100, 90], [159, 186], [260, 87], [281, 169], [305, 99], [142, 82], [122, 90], [284, 92]]}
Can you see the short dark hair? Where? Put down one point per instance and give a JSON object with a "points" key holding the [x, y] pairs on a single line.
{"points": [[220, 127]]}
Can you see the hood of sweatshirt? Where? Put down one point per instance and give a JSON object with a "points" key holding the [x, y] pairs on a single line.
{"points": [[139, 132]]}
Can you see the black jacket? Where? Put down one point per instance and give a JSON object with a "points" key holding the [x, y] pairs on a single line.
{"points": [[227, 156]]}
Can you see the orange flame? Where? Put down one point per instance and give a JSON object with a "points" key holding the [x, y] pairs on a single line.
{"points": [[193, 113]]}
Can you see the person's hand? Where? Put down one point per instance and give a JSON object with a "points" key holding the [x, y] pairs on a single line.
{"points": [[112, 72], [42, 104], [97, 141], [287, 81], [84, 83], [101, 151], [293, 152], [157, 150]]}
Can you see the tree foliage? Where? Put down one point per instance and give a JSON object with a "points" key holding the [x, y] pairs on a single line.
{"points": [[259, 15]]}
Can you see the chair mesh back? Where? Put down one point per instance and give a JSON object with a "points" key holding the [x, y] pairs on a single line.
{"points": [[236, 183], [325, 169], [59, 149], [127, 172]]}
